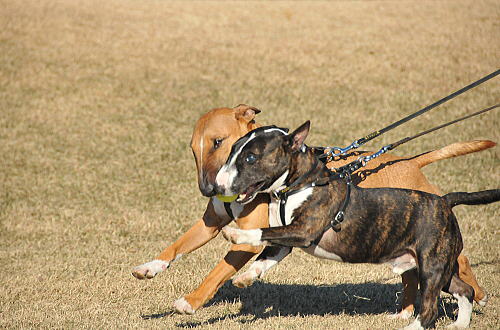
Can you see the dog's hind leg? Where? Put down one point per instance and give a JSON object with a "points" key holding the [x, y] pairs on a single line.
{"points": [[434, 275], [269, 258], [430, 288], [465, 273], [464, 293], [410, 289]]}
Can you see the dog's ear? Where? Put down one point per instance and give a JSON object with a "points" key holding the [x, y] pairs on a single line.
{"points": [[245, 112], [297, 138]]}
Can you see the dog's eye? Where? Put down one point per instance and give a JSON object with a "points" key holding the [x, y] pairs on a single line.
{"points": [[217, 143], [251, 158]]}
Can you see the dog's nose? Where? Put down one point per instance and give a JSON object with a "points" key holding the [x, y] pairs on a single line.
{"points": [[206, 188]]}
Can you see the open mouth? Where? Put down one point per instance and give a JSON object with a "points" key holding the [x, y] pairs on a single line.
{"points": [[250, 193]]}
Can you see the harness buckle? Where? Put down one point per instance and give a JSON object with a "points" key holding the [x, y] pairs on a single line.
{"points": [[338, 218], [336, 222]]}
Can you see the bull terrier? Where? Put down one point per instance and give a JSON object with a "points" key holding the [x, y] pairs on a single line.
{"points": [[408, 229]]}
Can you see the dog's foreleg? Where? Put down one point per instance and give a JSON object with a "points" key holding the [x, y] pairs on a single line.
{"points": [[269, 258], [242, 236], [236, 258], [202, 232], [297, 234], [150, 269]]}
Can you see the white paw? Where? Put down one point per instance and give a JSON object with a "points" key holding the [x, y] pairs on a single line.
{"points": [[457, 325], [240, 236], [483, 301], [464, 312], [181, 306], [403, 315], [149, 269], [246, 279], [415, 325]]}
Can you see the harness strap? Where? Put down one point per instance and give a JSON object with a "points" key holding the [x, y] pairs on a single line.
{"points": [[229, 212], [283, 201], [301, 178], [339, 217], [283, 196]]}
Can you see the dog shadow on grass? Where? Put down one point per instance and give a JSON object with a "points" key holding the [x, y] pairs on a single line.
{"points": [[265, 300]]}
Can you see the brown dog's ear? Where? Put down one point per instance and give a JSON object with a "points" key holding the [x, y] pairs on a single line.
{"points": [[245, 112], [298, 136]]}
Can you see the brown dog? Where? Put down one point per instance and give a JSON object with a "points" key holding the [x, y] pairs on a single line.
{"points": [[213, 136]]}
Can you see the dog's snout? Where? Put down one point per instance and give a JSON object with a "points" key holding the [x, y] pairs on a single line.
{"points": [[206, 188]]}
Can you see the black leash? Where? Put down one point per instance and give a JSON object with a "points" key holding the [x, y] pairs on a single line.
{"points": [[336, 151], [361, 161]]}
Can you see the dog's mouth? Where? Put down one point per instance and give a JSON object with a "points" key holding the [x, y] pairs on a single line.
{"points": [[250, 193]]}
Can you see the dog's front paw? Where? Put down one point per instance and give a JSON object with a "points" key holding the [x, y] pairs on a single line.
{"points": [[240, 236], [403, 315], [415, 325], [149, 269], [246, 279], [483, 301], [181, 306]]}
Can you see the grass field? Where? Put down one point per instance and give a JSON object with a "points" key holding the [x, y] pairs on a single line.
{"points": [[97, 104]]}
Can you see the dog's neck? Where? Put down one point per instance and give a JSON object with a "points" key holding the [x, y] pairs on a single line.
{"points": [[306, 168]]}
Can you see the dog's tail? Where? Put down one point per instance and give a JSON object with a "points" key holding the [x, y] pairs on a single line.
{"points": [[453, 150], [474, 198]]}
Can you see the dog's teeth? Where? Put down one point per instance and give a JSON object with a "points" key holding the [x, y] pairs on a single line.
{"points": [[242, 197]]}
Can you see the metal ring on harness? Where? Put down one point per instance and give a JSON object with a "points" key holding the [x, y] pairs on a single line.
{"points": [[336, 222]]}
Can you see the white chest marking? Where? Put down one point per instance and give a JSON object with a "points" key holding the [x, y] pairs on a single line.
{"points": [[293, 202], [321, 253]]}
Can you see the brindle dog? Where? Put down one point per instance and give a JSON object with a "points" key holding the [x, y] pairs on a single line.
{"points": [[406, 228]]}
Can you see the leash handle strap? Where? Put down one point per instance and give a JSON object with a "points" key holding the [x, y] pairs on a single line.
{"points": [[336, 151], [361, 161], [407, 139], [427, 108]]}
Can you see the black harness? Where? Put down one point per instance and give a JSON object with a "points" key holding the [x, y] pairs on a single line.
{"points": [[340, 173]]}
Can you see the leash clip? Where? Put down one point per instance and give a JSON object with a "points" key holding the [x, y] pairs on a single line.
{"points": [[337, 151], [364, 160]]}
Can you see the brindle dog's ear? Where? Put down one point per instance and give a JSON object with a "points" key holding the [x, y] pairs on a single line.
{"points": [[245, 112], [298, 136]]}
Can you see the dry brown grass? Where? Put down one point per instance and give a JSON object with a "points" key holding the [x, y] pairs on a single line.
{"points": [[97, 103]]}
